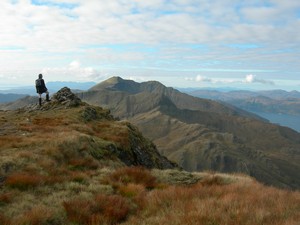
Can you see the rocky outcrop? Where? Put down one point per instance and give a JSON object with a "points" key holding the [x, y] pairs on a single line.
{"points": [[143, 152], [66, 97]]}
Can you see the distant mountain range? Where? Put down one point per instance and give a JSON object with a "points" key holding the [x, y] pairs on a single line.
{"points": [[202, 134], [10, 97], [53, 87], [278, 106], [275, 101]]}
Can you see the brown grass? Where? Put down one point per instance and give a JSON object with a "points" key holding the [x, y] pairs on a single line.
{"points": [[102, 209], [132, 190], [217, 205], [4, 220], [36, 216], [6, 198], [24, 181], [10, 141], [83, 163], [135, 175], [112, 132], [53, 121]]}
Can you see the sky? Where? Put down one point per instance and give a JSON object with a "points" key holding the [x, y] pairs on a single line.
{"points": [[243, 44]]}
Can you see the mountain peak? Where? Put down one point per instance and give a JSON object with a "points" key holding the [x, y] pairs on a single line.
{"points": [[129, 86], [114, 80], [111, 83]]}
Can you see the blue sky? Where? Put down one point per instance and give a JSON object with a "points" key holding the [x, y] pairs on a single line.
{"points": [[251, 44]]}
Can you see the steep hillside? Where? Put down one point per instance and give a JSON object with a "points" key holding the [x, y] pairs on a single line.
{"points": [[202, 134]]}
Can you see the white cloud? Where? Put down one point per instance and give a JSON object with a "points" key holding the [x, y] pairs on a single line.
{"points": [[252, 79], [73, 72], [200, 78], [203, 79], [75, 65], [49, 35], [249, 78], [95, 22]]}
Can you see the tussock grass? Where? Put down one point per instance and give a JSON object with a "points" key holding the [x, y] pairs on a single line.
{"points": [[103, 209], [6, 198], [36, 216], [135, 175], [4, 220], [133, 195], [211, 203], [113, 132], [24, 181]]}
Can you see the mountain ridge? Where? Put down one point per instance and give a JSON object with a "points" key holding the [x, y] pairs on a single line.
{"points": [[201, 134], [275, 101]]}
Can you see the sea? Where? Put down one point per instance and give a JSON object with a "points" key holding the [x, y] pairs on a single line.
{"points": [[286, 120]]}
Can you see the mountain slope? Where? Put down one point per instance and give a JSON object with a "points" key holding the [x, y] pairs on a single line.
{"points": [[202, 134]]}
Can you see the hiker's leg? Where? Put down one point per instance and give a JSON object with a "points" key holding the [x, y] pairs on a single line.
{"points": [[47, 96], [40, 99]]}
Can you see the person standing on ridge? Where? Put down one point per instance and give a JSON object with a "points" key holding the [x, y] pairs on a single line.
{"points": [[41, 88]]}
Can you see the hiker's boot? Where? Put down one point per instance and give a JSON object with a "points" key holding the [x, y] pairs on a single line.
{"points": [[47, 98], [40, 101]]}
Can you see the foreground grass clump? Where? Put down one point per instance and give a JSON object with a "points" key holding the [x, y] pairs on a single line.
{"points": [[134, 195], [103, 209], [214, 204], [133, 175], [24, 181]]}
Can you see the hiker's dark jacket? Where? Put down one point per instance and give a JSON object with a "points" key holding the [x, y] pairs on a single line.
{"points": [[41, 89]]}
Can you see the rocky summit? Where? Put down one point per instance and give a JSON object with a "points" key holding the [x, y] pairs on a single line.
{"points": [[64, 98]]}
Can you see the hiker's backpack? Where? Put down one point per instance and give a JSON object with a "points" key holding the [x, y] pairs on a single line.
{"points": [[38, 83]]}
